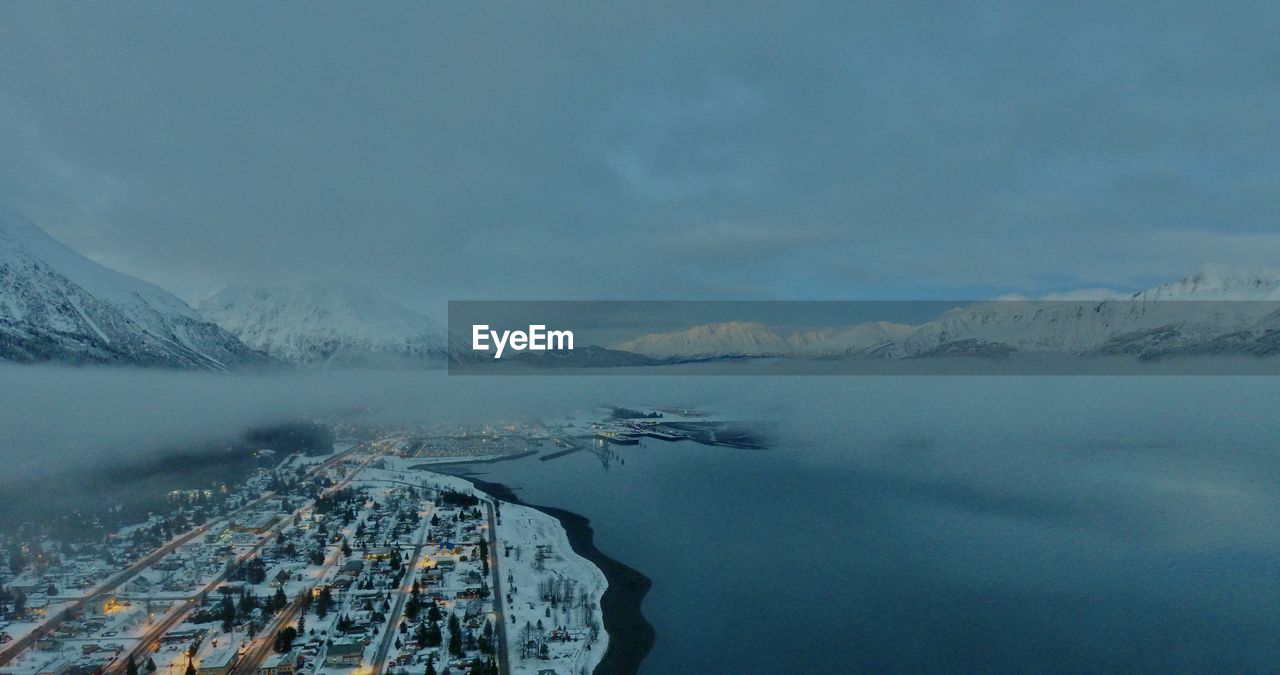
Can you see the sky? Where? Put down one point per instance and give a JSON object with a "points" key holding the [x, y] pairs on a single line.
{"points": [[647, 150]]}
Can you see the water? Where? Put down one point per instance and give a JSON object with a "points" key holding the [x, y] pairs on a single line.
{"points": [[1110, 531]]}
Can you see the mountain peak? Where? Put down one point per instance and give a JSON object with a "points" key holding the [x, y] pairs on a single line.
{"points": [[55, 304], [324, 323], [1220, 282]]}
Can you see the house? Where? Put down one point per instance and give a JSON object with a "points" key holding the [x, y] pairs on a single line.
{"points": [[259, 523], [344, 655], [140, 584], [218, 662], [278, 664]]}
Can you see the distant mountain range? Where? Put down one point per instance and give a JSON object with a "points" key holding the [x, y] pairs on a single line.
{"points": [[56, 305], [1218, 311]]}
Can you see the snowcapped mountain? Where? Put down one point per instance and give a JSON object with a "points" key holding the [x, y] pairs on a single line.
{"points": [[745, 339], [57, 305], [1165, 320], [862, 339], [735, 339], [316, 324], [1218, 311]]}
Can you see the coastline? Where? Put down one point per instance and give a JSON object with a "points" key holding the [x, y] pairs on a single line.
{"points": [[630, 635]]}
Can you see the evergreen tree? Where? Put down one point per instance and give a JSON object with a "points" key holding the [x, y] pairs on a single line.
{"points": [[455, 635], [228, 614], [420, 634], [434, 636], [132, 668], [285, 638], [324, 602]]}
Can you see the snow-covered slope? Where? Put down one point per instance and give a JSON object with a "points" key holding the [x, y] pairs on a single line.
{"points": [[735, 339], [1163, 320], [744, 339], [327, 325], [1218, 311], [57, 305], [862, 339]]}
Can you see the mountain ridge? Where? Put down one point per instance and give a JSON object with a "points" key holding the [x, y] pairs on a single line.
{"points": [[57, 305], [315, 324]]}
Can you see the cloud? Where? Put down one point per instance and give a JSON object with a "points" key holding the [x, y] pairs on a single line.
{"points": [[626, 152]]}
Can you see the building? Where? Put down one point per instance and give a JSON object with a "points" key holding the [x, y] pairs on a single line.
{"points": [[278, 664], [343, 655], [218, 662]]}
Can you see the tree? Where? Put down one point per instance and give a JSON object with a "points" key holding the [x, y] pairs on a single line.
{"points": [[285, 638], [484, 556], [420, 634], [151, 665], [455, 635], [434, 636], [132, 668], [280, 601], [228, 614], [431, 665], [324, 602], [191, 668], [486, 638]]}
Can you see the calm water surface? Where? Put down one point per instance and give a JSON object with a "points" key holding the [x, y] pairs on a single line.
{"points": [[975, 542]]}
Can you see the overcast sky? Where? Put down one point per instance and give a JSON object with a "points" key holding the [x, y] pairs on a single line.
{"points": [[577, 150]]}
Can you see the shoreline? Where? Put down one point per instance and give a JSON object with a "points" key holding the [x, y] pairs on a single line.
{"points": [[630, 635]]}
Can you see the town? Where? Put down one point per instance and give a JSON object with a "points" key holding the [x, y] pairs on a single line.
{"points": [[358, 561]]}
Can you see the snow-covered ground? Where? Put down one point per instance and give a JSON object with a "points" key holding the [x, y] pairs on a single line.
{"points": [[536, 551]]}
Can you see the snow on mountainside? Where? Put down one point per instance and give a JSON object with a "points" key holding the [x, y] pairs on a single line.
{"points": [[742, 339], [866, 338], [1216, 282], [1164, 320], [1215, 311], [327, 325], [735, 339], [57, 305]]}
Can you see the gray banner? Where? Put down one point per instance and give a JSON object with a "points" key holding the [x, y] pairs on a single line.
{"points": [[1119, 336]]}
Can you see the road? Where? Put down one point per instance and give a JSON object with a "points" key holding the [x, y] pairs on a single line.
{"points": [[393, 622], [108, 587], [504, 666]]}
